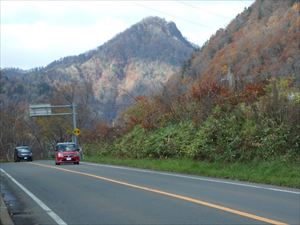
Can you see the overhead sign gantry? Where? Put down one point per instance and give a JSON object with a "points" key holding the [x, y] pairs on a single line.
{"points": [[39, 110]]}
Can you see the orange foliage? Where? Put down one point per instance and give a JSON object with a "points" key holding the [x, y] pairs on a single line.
{"points": [[252, 92], [209, 89], [100, 131]]}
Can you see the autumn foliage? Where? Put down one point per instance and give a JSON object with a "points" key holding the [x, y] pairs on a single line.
{"points": [[255, 122]]}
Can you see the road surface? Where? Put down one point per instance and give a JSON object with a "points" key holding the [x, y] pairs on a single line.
{"points": [[42, 193]]}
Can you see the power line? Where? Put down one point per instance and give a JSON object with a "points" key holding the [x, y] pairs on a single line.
{"points": [[159, 11], [197, 8]]}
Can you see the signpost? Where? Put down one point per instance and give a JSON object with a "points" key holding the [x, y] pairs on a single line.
{"points": [[46, 110]]}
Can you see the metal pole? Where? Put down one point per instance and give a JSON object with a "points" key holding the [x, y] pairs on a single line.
{"points": [[74, 137]]}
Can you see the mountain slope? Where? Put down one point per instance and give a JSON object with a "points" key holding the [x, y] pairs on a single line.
{"points": [[261, 42], [135, 62]]}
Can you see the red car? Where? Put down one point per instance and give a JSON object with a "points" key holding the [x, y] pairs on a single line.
{"points": [[67, 152]]}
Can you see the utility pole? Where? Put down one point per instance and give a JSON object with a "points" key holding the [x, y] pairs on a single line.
{"points": [[74, 137]]}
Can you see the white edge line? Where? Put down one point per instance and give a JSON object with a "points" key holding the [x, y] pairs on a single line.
{"points": [[52, 214], [193, 178]]}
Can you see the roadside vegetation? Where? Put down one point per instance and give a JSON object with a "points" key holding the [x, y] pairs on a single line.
{"points": [[250, 134]]}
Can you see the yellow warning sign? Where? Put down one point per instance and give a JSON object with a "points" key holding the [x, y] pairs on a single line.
{"points": [[76, 131]]}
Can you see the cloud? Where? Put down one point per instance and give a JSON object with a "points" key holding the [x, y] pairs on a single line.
{"points": [[39, 32], [42, 43]]}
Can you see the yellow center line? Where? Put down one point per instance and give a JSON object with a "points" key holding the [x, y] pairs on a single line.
{"points": [[182, 197]]}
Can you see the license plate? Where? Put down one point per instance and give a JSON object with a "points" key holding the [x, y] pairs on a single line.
{"points": [[69, 158], [25, 157]]}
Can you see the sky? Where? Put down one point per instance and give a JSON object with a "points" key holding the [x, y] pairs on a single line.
{"points": [[35, 33]]}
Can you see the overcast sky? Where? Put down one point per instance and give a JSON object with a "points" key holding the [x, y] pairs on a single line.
{"points": [[35, 33]]}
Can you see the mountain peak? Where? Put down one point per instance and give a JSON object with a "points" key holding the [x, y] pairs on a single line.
{"points": [[154, 39], [137, 60], [154, 20], [161, 25]]}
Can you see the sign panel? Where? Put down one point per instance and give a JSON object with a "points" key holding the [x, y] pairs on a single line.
{"points": [[40, 110]]}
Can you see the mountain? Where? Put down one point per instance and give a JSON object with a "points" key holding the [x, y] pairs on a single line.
{"points": [[138, 61], [261, 42]]}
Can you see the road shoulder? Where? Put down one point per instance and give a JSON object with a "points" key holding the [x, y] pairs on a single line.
{"points": [[5, 218]]}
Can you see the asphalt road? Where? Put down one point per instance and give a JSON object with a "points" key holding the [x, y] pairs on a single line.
{"points": [[42, 193]]}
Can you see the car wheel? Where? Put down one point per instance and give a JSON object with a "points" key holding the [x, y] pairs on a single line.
{"points": [[57, 164]]}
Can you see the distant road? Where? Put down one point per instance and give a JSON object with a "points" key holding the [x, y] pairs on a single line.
{"points": [[42, 193]]}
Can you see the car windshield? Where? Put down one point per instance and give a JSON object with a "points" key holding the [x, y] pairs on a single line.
{"points": [[66, 147], [23, 147], [24, 150]]}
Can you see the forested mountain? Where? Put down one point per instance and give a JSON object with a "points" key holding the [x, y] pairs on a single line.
{"points": [[135, 62], [261, 42], [236, 99]]}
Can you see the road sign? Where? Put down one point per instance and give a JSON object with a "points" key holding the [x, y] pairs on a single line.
{"points": [[76, 131], [40, 110]]}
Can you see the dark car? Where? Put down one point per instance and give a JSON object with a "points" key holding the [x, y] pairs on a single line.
{"points": [[67, 152], [23, 153]]}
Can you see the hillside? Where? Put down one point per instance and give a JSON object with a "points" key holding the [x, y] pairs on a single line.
{"points": [[237, 99], [261, 42], [135, 62]]}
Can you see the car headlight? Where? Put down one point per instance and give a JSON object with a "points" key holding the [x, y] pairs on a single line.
{"points": [[60, 154]]}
